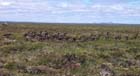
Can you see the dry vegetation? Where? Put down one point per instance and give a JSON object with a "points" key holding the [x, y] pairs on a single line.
{"points": [[28, 49]]}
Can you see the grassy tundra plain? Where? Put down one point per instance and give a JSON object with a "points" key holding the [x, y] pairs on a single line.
{"points": [[29, 49]]}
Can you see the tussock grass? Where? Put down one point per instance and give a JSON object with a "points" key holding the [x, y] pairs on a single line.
{"points": [[120, 54]]}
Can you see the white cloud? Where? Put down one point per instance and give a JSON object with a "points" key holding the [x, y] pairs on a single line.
{"points": [[37, 7], [3, 3], [64, 5], [116, 9]]}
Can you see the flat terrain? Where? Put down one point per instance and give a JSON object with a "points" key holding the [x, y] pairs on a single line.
{"points": [[29, 49]]}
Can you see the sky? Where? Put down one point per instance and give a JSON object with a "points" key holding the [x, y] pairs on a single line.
{"points": [[71, 11]]}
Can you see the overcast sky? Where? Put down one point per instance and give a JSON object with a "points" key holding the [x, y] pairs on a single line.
{"points": [[71, 11]]}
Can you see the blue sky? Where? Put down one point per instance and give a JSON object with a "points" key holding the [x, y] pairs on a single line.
{"points": [[71, 11]]}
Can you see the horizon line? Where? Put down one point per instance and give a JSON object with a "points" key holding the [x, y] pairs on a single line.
{"points": [[69, 22]]}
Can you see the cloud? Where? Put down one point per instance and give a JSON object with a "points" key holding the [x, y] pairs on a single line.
{"points": [[63, 7], [3, 3], [97, 9], [80, 9]]}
